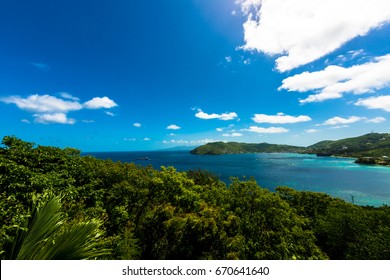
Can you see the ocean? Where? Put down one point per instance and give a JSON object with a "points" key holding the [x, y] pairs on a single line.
{"points": [[338, 177]]}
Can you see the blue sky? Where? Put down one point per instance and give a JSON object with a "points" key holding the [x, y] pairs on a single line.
{"points": [[144, 75]]}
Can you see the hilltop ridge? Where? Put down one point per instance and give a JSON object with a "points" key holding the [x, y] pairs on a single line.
{"points": [[371, 148], [220, 148]]}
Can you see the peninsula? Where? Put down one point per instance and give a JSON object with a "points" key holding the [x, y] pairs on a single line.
{"points": [[372, 148]]}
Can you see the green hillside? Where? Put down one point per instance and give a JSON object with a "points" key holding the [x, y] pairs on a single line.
{"points": [[372, 148], [220, 148]]}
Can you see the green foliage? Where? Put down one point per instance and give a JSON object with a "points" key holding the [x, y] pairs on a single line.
{"points": [[270, 226], [219, 148], [12, 215], [119, 210], [374, 145], [45, 236], [343, 230]]}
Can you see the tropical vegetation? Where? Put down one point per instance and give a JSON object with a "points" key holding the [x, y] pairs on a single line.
{"points": [[220, 148], [57, 204]]}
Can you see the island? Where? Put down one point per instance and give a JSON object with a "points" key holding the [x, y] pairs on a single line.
{"points": [[371, 148], [220, 148]]}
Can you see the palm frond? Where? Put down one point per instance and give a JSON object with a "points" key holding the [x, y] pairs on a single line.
{"points": [[44, 236], [44, 222], [79, 241]]}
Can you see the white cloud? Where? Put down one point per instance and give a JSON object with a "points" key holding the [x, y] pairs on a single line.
{"points": [[173, 127], [279, 118], [312, 130], [376, 120], [111, 114], [228, 59], [53, 118], [219, 129], [339, 126], [42, 104], [246, 61], [191, 142], [137, 124], [379, 102], [147, 139], [129, 139], [301, 31], [100, 102], [339, 120], [333, 81], [25, 121], [234, 134], [69, 96], [342, 58], [204, 141], [50, 109], [355, 53], [225, 116], [175, 141], [88, 121], [268, 130]]}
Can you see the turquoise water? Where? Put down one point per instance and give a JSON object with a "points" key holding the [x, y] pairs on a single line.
{"points": [[338, 177]]}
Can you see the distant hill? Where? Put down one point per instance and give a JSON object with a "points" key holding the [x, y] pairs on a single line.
{"points": [[220, 148], [372, 148]]}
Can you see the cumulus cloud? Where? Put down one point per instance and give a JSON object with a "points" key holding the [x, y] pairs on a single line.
{"points": [[339, 120], [219, 129], [225, 116], [137, 124], [53, 118], [191, 142], [379, 102], [333, 81], [268, 130], [173, 127], [279, 118], [312, 130], [48, 109], [147, 139], [100, 102], [376, 120], [234, 134], [42, 103], [301, 31]]}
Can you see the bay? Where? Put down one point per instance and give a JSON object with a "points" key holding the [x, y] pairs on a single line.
{"points": [[338, 177]]}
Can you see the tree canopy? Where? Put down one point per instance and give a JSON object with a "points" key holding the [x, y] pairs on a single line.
{"points": [[132, 212]]}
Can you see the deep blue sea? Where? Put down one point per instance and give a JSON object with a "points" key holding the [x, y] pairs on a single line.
{"points": [[338, 177]]}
